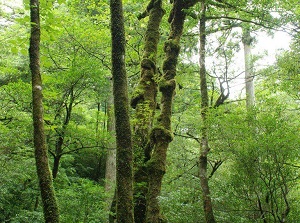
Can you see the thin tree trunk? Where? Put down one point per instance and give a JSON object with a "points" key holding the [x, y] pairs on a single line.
{"points": [[50, 207], [249, 82], [61, 133], [110, 173], [124, 175], [204, 150], [56, 162], [110, 170]]}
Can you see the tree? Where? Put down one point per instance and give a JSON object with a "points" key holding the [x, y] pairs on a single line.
{"points": [[249, 76], [144, 103], [50, 206], [258, 178], [161, 134], [124, 178], [204, 150], [110, 168]]}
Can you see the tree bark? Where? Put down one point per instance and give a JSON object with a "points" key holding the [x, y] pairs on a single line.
{"points": [[124, 175], [204, 150], [62, 132], [144, 103], [50, 207], [110, 169], [161, 134], [249, 82]]}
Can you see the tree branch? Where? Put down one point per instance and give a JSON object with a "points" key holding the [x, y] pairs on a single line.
{"points": [[215, 167]]}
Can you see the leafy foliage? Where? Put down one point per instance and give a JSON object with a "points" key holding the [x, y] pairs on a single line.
{"points": [[257, 151]]}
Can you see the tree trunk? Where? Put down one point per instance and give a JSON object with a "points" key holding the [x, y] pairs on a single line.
{"points": [[144, 103], [249, 83], [56, 162], [161, 134], [124, 175], [204, 150], [61, 133], [110, 169], [50, 207]]}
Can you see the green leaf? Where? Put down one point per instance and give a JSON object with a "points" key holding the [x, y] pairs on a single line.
{"points": [[24, 52], [14, 50]]}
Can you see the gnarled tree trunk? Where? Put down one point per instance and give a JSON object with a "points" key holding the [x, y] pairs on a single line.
{"points": [[161, 134], [50, 208], [144, 102]]}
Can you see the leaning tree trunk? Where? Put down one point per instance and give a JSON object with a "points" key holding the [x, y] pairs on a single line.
{"points": [[50, 207], [249, 82], [204, 150], [144, 103], [161, 134], [124, 175]]}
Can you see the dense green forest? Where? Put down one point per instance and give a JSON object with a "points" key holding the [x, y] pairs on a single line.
{"points": [[149, 111]]}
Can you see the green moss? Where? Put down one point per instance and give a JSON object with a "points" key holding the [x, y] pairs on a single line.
{"points": [[137, 95], [167, 85], [147, 63], [160, 133], [154, 167], [172, 46]]}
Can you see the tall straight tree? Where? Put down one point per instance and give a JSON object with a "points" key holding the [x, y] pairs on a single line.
{"points": [[249, 83], [110, 168], [50, 207], [204, 150], [124, 175]]}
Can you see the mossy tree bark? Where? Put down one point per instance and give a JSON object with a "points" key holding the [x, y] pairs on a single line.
{"points": [[204, 148], [161, 134], [144, 103], [124, 175], [50, 207]]}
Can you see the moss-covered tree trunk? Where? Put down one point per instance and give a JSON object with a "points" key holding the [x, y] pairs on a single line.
{"points": [[124, 174], [50, 207], [204, 148], [144, 102], [161, 134]]}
